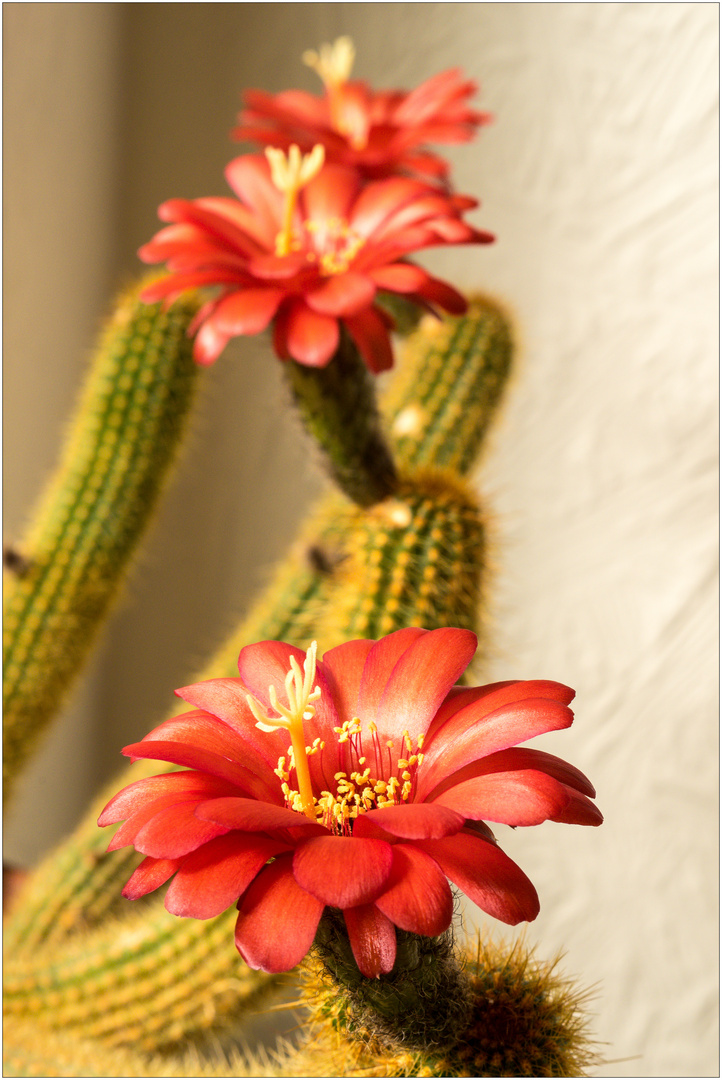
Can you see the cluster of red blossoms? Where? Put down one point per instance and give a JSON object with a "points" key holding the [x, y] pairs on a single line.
{"points": [[382, 795], [326, 218]]}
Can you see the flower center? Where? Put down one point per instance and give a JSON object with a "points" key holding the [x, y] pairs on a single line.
{"points": [[289, 174], [335, 245]]}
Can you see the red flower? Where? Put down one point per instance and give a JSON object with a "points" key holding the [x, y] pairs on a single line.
{"points": [[377, 801], [307, 246], [377, 133]]}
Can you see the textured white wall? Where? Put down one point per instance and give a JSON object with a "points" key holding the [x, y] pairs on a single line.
{"points": [[600, 179]]}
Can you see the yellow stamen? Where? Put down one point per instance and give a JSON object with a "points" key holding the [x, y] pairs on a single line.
{"points": [[289, 175], [332, 63], [300, 707]]}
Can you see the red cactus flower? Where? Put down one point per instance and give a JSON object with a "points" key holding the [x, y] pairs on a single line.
{"points": [[377, 801], [377, 133], [307, 246]]}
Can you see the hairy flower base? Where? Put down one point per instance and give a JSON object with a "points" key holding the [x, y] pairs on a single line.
{"points": [[510, 1014], [378, 802]]}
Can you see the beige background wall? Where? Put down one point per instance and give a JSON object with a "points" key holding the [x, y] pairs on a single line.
{"points": [[600, 179]]}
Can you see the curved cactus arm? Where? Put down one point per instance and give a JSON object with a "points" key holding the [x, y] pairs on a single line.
{"points": [[449, 386], [146, 980], [123, 439], [33, 1050]]}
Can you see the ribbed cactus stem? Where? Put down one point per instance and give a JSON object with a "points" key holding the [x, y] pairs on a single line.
{"points": [[337, 404], [451, 377], [146, 980], [416, 559], [128, 426]]}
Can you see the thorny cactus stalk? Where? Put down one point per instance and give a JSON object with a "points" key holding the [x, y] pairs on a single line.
{"points": [[70, 566]]}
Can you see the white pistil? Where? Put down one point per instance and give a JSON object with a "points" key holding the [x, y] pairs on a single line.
{"points": [[289, 174], [332, 63], [301, 697]]}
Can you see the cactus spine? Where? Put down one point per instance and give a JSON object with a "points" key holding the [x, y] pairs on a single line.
{"points": [[124, 437]]}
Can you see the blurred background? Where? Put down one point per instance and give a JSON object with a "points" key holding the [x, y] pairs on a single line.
{"points": [[599, 177]]}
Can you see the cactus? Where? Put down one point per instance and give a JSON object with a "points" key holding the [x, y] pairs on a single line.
{"points": [[79, 883], [338, 406], [449, 386], [145, 980], [410, 549], [32, 1052], [123, 439]]}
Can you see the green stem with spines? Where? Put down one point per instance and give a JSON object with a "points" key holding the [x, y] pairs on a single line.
{"points": [[451, 380], [145, 980], [337, 404], [124, 437]]}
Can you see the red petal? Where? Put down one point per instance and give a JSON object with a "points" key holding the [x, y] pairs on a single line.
{"points": [[266, 664], [371, 335], [523, 797], [343, 667], [520, 758], [209, 343], [421, 680], [417, 895], [579, 811], [248, 311], [330, 194], [486, 875], [399, 277], [249, 815], [380, 662], [277, 919], [310, 338], [442, 295], [380, 200], [342, 294], [250, 178], [411, 821], [480, 729], [205, 733], [214, 876], [175, 831], [226, 699], [149, 875], [342, 871], [373, 939], [140, 793]]}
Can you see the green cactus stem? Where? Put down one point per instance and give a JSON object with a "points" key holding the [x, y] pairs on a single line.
{"points": [[414, 560], [146, 980], [521, 1017], [129, 423], [423, 1002], [450, 381], [337, 404], [33, 1050]]}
